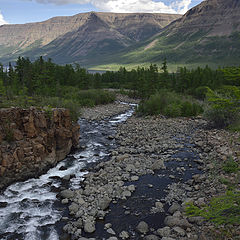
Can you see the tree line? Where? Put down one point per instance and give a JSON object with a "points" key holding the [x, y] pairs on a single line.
{"points": [[45, 78]]}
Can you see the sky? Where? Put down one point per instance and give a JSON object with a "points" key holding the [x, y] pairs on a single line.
{"points": [[25, 11]]}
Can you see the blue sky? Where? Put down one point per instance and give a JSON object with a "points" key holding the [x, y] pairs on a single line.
{"points": [[24, 11]]}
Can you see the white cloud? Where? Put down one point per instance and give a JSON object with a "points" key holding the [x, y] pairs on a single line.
{"points": [[2, 21], [181, 6], [133, 6], [127, 6]]}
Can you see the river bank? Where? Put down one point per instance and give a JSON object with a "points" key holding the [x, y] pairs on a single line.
{"points": [[32, 141], [140, 193]]}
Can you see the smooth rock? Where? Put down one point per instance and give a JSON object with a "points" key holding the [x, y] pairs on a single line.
{"points": [[168, 238], [112, 238], [159, 164], [134, 178], [124, 235], [104, 203], [179, 231], [151, 237], [164, 232], [142, 227], [172, 221], [110, 231], [175, 207], [65, 201], [89, 226], [131, 188], [73, 208], [67, 193]]}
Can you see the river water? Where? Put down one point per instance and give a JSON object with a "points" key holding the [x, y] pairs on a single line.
{"points": [[30, 210]]}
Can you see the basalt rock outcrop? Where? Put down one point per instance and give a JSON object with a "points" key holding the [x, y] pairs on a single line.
{"points": [[33, 140]]}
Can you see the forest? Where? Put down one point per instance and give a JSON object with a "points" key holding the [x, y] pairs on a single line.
{"points": [[187, 92]]}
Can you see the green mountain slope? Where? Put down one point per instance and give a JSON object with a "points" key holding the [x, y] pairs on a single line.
{"points": [[82, 38], [207, 34]]}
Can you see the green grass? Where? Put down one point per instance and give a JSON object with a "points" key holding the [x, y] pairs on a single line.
{"points": [[230, 166], [172, 67], [223, 209]]}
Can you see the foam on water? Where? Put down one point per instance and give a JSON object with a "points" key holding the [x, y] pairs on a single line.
{"points": [[30, 213]]}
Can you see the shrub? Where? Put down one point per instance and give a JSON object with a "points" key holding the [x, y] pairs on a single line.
{"points": [[220, 117], [230, 166], [173, 110], [224, 106], [169, 104]]}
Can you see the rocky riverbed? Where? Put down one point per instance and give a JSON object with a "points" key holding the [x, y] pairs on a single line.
{"points": [[141, 192], [106, 111]]}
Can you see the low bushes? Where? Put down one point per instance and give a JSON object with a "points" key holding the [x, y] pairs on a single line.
{"points": [[170, 104], [70, 98], [224, 107]]}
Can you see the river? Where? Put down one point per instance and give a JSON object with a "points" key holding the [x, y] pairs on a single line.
{"points": [[30, 210]]}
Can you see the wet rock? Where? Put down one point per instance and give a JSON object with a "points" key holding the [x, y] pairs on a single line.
{"points": [[110, 231], [3, 204], [78, 233], [67, 193], [107, 225], [112, 238], [159, 164], [164, 232], [159, 205], [134, 178], [142, 227], [167, 238], [64, 236], [89, 226], [175, 207], [131, 188], [126, 194], [172, 221], [179, 231], [104, 203], [130, 167], [151, 237], [158, 208], [63, 168], [73, 208], [65, 201], [67, 177], [124, 235]]}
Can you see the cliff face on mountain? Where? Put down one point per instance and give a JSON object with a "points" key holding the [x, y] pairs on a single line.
{"points": [[78, 34], [31, 141], [207, 34], [215, 17]]}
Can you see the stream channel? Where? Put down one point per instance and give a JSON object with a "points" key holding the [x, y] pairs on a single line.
{"points": [[30, 210]]}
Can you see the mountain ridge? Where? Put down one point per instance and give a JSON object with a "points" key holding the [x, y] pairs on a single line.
{"points": [[129, 27], [209, 33]]}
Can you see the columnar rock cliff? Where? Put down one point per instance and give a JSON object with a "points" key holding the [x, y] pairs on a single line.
{"points": [[32, 140]]}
